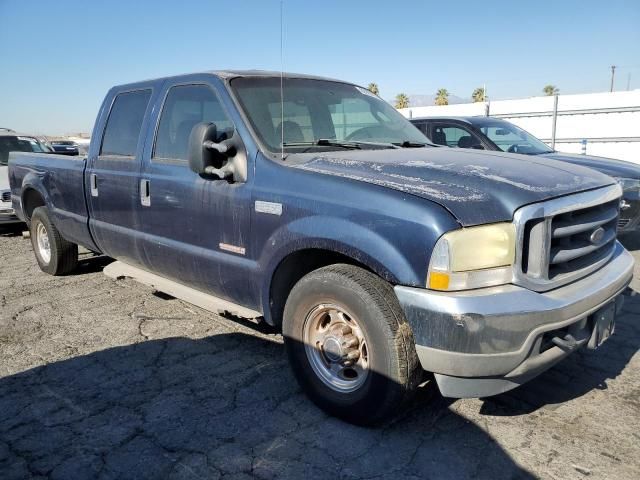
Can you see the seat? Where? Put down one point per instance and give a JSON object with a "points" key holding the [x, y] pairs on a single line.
{"points": [[292, 132], [439, 137], [465, 142]]}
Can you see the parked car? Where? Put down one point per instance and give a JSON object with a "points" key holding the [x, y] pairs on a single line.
{"points": [[12, 141], [65, 147], [313, 204], [487, 133]]}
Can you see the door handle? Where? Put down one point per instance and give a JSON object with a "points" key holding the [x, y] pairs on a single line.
{"points": [[145, 193], [93, 179]]}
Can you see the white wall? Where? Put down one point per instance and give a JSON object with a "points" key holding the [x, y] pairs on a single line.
{"points": [[594, 127]]}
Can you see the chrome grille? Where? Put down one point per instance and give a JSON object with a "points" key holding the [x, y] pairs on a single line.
{"points": [[6, 196], [573, 245], [566, 238]]}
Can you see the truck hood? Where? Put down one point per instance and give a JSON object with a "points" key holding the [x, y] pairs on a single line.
{"points": [[475, 186], [610, 166], [4, 178]]}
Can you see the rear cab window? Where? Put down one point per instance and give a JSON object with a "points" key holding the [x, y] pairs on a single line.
{"points": [[124, 125]]}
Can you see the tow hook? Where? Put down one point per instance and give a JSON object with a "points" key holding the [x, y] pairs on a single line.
{"points": [[566, 343]]}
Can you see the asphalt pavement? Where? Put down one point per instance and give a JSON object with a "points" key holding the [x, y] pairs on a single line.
{"points": [[104, 379]]}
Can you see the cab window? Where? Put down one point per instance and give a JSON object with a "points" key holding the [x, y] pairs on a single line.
{"points": [[184, 107], [124, 124]]}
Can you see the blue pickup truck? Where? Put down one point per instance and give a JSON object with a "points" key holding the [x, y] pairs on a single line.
{"points": [[312, 204]]}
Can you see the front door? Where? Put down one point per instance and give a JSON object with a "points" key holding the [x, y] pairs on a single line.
{"points": [[196, 228]]}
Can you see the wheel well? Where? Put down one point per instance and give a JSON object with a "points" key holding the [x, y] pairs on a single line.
{"points": [[295, 266], [31, 199]]}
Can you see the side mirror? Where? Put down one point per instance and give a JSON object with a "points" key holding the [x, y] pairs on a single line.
{"points": [[477, 146], [226, 159]]}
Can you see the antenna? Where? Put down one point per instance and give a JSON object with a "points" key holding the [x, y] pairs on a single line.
{"points": [[281, 81]]}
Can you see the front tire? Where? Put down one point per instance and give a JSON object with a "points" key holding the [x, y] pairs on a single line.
{"points": [[55, 255], [349, 344]]}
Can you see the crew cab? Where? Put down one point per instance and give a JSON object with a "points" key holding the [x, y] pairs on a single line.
{"points": [[313, 205], [488, 133]]}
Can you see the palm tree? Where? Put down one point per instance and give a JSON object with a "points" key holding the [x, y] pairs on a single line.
{"points": [[373, 88], [551, 90], [442, 97], [402, 100], [478, 95]]}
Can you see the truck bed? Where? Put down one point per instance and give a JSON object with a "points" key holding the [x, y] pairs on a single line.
{"points": [[58, 179]]}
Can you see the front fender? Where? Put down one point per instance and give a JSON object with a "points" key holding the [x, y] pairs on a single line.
{"points": [[342, 236]]}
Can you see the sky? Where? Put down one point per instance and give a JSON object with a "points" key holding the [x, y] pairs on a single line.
{"points": [[58, 58]]}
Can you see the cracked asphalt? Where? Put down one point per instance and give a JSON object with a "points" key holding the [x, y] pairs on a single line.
{"points": [[104, 379]]}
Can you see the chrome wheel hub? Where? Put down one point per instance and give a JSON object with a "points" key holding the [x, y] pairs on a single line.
{"points": [[42, 239], [336, 348]]}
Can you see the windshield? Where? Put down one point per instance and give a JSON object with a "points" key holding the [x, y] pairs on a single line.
{"points": [[510, 138], [321, 114], [16, 144]]}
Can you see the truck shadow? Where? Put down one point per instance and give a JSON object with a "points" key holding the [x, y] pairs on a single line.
{"points": [[11, 230], [225, 404], [578, 374], [91, 263]]}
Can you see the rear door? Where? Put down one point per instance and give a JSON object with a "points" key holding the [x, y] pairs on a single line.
{"points": [[196, 228], [113, 174]]}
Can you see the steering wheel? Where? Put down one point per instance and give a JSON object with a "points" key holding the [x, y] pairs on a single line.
{"points": [[513, 148]]}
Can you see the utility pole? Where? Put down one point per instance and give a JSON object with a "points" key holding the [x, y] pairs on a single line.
{"points": [[613, 74]]}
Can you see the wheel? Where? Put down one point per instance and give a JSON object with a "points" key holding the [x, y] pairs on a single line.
{"points": [[349, 344], [55, 255]]}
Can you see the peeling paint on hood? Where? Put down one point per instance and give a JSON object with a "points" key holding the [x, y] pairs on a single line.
{"points": [[475, 186]]}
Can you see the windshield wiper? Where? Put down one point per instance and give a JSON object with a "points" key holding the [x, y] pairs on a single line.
{"points": [[323, 142], [410, 144], [330, 142]]}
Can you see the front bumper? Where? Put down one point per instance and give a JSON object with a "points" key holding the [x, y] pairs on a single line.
{"points": [[487, 341]]}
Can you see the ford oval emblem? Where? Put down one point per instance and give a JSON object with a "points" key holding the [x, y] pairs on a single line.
{"points": [[597, 235]]}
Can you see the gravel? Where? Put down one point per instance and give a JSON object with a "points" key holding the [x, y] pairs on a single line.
{"points": [[107, 379]]}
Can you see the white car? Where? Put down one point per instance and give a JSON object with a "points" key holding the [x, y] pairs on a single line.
{"points": [[11, 141], [7, 215]]}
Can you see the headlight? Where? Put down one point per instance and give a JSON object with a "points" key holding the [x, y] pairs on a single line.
{"points": [[629, 184], [473, 257]]}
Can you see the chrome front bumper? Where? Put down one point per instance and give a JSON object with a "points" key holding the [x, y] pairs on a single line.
{"points": [[487, 341]]}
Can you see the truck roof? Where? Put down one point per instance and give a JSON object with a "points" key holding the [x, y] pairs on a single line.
{"points": [[229, 74]]}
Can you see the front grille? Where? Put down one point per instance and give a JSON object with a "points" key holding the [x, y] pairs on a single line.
{"points": [[573, 246], [566, 238], [6, 196]]}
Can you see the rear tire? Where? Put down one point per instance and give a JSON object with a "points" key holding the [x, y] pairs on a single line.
{"points": [[55, 255], [349, 344]]}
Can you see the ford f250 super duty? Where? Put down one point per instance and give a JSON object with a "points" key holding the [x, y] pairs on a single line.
{"points": [[313, 205]]}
